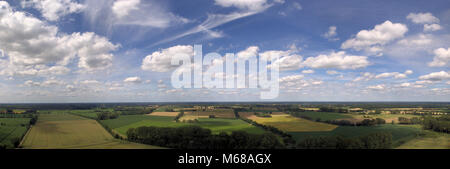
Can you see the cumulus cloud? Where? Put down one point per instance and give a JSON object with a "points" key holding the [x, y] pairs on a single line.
{"points": [[337, 60], [332, 72], [52, 10], [252, 5], [396, 75], [251, 51], [436, 76], [372, 41], [122, 8], [308, 71], [287, 59], [161, 61], [134, 79], [377, 87], [441, 58], [331, 34], [431, 27], [422, 18], [29, 43]]}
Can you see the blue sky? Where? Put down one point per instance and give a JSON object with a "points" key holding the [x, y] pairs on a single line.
{"points": [[118, 50]]}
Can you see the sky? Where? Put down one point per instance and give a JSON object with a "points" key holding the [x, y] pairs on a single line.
{"points": [[120, 50]]}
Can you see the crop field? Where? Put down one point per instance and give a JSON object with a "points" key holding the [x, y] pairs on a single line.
{"points": [[62, 130], [289, 123], [388, 117], [400, 133], [427, 140], [323, 116], [12, 128], [216, 125], [167, 114], [217, 114]]}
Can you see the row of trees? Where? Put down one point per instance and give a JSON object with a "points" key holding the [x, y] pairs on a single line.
{"points": [[439, 124], [365, 122], [381, 140], [194, 137], [107, 115], [413, 120]]}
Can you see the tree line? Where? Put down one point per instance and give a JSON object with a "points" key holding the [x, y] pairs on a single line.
{"points": [[382, 140], [439, 124], [194, 137]]}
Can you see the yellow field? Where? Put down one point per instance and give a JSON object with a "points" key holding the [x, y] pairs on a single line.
{"points": [[165, 114], [289, 123], [79, 133]]}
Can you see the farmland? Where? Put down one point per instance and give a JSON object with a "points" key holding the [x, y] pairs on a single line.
{"points": [[400, 133], [289, 123], [12, 130], [105, 126], [62, 130], [216, 125], [323, 116]]}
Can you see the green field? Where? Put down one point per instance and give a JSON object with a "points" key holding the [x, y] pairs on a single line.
{"points": [[289, 123], [216, 125], [428, 140], [323, 116], [11, 129], [65, 131], [400, 133]]}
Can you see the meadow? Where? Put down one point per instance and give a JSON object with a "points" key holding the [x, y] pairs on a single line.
{"points": [[323, 116], [216, 125], [65, 131], [400, 133], [288, 123], [12, 129]]}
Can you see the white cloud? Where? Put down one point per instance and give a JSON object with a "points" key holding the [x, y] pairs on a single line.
{"points": [[436, 76], [431, 27], [377, 87], [372, 41], [331, 34], [133, 80], [308, 71], [366, 76], [408, 72], [29, 42], [122, 8], [89, 82], [251, 51], [291, 78], [422, 18], [332, 72], [396, 75], [441, 58], [160, 61], [339, 60], [252, 5], [52, 10], [287, 59]]}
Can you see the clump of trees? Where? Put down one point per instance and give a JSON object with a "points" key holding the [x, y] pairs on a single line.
{"points": [[414, 120], [179, 115], [107, 115], [194, 137], [382, 140], [439, 124], [365, 122]]}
